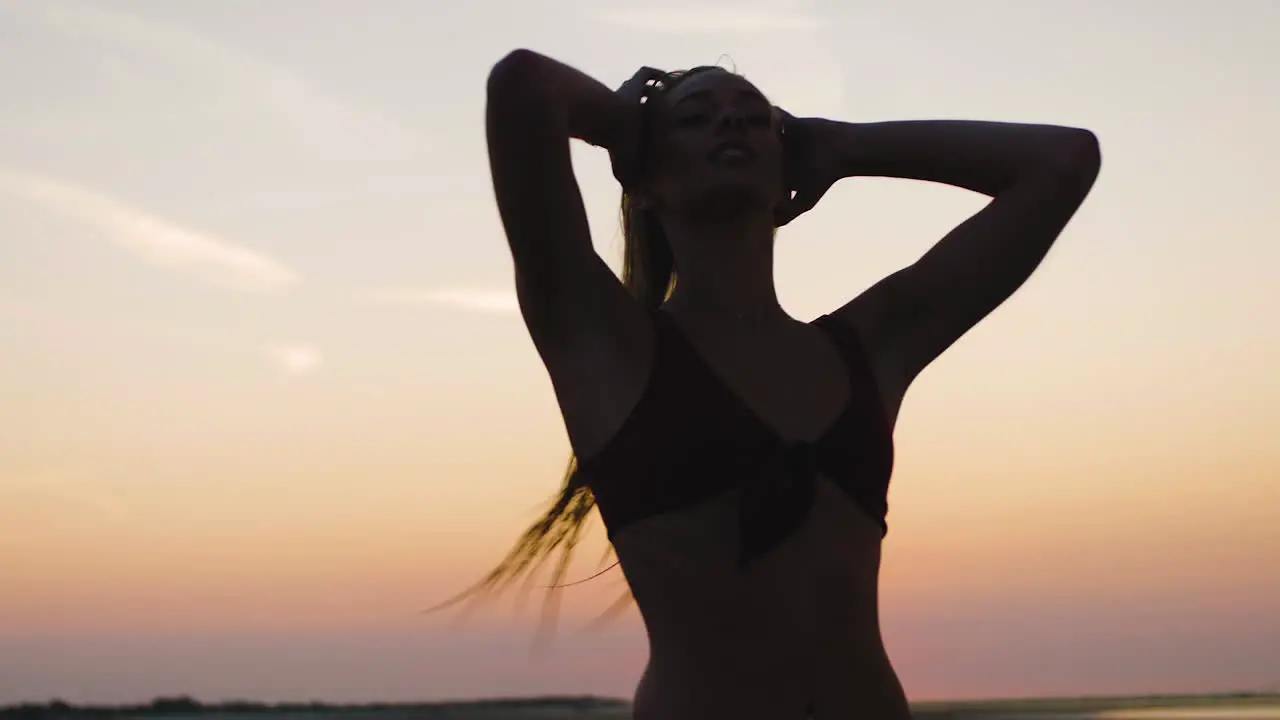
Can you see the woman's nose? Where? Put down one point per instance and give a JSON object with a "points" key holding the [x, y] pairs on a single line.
{"points": [[732, 120]]}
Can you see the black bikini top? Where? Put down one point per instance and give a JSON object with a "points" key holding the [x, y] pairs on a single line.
{"points": [[690, 438]]}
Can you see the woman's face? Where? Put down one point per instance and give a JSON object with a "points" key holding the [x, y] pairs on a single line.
{"points": [[716, 147]]}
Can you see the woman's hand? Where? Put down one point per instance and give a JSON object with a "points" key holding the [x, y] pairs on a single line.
{"points": [[626, 146], [810, 164]]}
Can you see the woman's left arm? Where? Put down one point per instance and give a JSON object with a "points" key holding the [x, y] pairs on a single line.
{"points": [[1037, 175]]}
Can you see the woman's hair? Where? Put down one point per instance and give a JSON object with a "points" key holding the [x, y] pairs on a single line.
{"points": [[649, 273]]}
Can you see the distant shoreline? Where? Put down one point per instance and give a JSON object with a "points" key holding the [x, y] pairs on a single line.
{"points": [[186, 706], [1098, 703]]}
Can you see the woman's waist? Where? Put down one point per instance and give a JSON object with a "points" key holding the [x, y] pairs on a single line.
{"points": [[767, 644], [857, 682], [788, 600]]}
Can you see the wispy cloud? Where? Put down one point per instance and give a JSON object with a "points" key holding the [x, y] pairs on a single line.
{"points": [[295, 359], [289, 95], [154, 239], [469, 299], [724, 19]]}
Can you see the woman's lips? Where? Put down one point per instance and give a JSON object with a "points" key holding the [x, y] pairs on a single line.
{"points": [[732, 153]]}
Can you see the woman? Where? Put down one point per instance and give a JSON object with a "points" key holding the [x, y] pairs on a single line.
{"points": [[740, 458]]}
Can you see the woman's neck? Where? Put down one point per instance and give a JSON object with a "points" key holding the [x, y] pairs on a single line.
{"points": [[724, 272]]}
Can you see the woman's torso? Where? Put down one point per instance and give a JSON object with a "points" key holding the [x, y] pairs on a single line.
{"points": [[749, 529], [795, 636]]}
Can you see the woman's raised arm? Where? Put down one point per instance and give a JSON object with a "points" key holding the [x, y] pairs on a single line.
{"points": [[1037, 176], [592, 336]]}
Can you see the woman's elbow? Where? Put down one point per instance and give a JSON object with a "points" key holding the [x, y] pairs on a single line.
{"points": [[1072, 158], [516, 75], [1078, 151]]}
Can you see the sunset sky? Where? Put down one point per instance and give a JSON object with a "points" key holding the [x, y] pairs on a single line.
{"points": [[265, 395]]}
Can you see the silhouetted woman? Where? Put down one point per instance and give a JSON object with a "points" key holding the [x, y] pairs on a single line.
{"points": [[740, 458]]}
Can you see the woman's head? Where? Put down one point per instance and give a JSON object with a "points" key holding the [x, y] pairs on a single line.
{"points": [[712, 151], [712, 147]]}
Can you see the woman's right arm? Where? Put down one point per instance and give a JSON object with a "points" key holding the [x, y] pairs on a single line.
{"points": [[592, 336]]}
